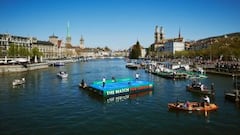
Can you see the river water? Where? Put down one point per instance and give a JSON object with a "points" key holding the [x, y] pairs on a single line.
{"points": [[49, 105]]}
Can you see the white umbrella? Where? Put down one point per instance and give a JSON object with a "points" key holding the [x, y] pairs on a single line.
{"points": [[21, 60]]}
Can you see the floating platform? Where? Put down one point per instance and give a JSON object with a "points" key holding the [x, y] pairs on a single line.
{"points": [[120, 87]]}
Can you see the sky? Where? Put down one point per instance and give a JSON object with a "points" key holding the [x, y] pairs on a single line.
{"points": [[118, 24]]}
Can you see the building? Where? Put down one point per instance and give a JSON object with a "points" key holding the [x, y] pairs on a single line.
{"points": [[159, 38], [6, 40], [49, 49], [53, 39], [46, 48], [171, 46], [161, 44]]}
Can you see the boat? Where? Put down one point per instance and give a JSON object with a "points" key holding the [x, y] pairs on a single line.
{"points": [[231, 95], [62, 74], [200, 88], [59, 64], [131, 65], [192, 106], [171, 75], [18, 82]]}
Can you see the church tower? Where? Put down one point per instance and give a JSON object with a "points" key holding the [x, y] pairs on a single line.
{"points": [[68, 38], [157, 35], [180, 38], [82, 43], [161, 34]]}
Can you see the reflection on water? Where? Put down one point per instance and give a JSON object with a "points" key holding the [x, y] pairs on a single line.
{"points": [[18, 86], [118, 98]]}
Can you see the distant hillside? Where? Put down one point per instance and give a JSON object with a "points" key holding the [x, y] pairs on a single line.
{"points": [[225, 46], [230, 35]]}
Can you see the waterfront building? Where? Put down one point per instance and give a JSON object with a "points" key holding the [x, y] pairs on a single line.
{"points": [[53, 39], [49, 49], [161, 44], [6, 40], [171, 46], [46, 48]]}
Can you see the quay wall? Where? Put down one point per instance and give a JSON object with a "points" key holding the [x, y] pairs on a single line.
{"points": [[21, 68]]}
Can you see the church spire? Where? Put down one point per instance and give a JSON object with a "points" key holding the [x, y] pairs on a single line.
{"points": [[68, 38], [179, 33], [68, 33]]}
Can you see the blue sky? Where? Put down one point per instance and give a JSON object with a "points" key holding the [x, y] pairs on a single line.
{"points": [[118, 24]]}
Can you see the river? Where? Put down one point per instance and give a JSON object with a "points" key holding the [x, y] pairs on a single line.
{"points": [[46, 104]]}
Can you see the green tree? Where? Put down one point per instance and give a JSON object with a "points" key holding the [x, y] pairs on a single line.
{"points": [[12, 50], [1, 53], [23, 51], [35, 52], [136, 51], [107, 49]]}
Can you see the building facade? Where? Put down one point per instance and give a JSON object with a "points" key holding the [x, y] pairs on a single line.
{"points": [[6, 40], [172, 46], [161, 44]]}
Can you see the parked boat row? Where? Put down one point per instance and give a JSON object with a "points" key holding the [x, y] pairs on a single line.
{"points": [[174, 71]]}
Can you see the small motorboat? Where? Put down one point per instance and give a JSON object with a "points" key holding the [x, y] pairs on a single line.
{"points": [[132, 65], [200, 88], [192, 106], [62, 74], [232, 95], [18, 82], [59, 64]]}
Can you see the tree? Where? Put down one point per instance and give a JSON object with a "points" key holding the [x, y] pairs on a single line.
{"points": [[135, 51], [107, 49], [23, 51], [12, 50], [36, 52]]}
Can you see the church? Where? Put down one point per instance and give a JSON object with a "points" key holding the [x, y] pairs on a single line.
{"points": [[161, 44]]}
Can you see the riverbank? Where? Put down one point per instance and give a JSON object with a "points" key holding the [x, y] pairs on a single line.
{"points": [[221, 73], [5, 69]]}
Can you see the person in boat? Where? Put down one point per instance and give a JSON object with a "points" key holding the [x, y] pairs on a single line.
{"points": [[83, 84], [104, 81], [186, 104], [206, 100], [202, 87], [113, 79], [178, 104], [194, 83]]}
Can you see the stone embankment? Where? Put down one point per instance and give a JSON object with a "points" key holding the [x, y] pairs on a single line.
{"points": [[21, 68]]}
